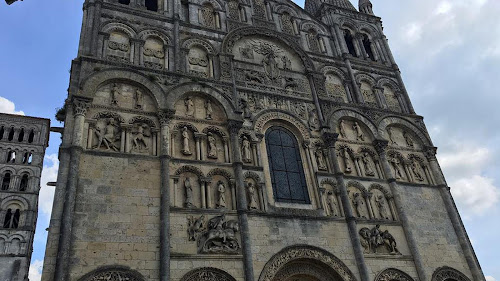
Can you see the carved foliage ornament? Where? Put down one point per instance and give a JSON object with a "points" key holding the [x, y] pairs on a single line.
{"points": [[207, 274], [392, 274]]}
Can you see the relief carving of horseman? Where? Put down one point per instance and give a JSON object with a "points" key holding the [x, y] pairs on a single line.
{"points": [[220, 237]]}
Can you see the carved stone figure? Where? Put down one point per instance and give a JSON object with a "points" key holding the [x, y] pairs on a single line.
{"points": [[359, 205], [252, 197], [345, 156], [391, 137], [342, 130], [287, 64], [332, 204], [367, 165], [139, 99], [408, 139], [382, 207], [320, 159], [246, 151], [114, 94], [140, 137], [185, 142], [313, 120], [254, 76], [271, 66], [395, 165], [108, 135], [212, 146], [221, 201], [246, 108], [373, 239], [208, 110], [417, 170], [359, 132], [220, 237], [195, 227], [247, 52], [188, 102], [188, 202]]}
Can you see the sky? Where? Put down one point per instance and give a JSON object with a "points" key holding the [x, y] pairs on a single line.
{"points": [[448, 52]]}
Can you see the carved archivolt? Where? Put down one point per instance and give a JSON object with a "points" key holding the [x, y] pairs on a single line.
{"points": [[388, 82], [392, 274], [113, 273], [295, 253], [334, 70], [207, 274], [153, 33], [253, 176], [113, 115], [142, 119], [109, 27], [367, 78], [220, 172], [393, 120], [358, 185], [360, 118], [447, 273], [189, 169], [192, 42], [179, 126], [381, 188], [269, 116], [216, 130]]}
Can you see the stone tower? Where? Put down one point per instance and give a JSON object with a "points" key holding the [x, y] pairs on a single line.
{"points": [[246, 140], [22, 147]]}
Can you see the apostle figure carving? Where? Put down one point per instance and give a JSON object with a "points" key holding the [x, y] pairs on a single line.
{"points": [[373, 239], [332, 204], [417, 170], [359, 205], [287, 64], [345, 156], [188, 102], [139, 99], [140, 134], [108, 135], [246, 151], [382, 208], [395, 164], [185, 141], [220, 237], [367, 165], [408, 139], [359, 132], [114, 94], [320, 159], [252, 197], [313, 120], [391, 136], [221, 201], [188, 202], [208, 110], [195, 227], [212, 146], [342, 130]]}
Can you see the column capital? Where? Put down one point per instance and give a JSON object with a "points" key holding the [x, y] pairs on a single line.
{"points": [[234, 126], [80, 105], [380, 146], [165, 115], [430, 152], [330, 139]]}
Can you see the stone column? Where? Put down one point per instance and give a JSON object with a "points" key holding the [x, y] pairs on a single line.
{"points": [[242, 205], [368, 197], [452, 211], [381, 146], [330, 139], [225, 141], [164, 118], [80, 107]]}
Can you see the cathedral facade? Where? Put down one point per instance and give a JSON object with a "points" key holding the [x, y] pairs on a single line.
{"points": [[246, 140]]}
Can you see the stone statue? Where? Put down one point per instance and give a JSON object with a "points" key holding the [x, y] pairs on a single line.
{"points": [[246, 151], [417, 170], [373, 239], [108, 135], [195, 227], [185, 142], [376, 238], [114, 94], [246, 108], [140, 134], [188, 202], [391, 136], [287, 64], [212, 146], [408, 139], [220, 237], [271, 66], [359, 205], [252, 197], [365, 239], [359, 132], [208, 110], [188, 102], [320, 159], [382, 208], [345, 156], [342, 130], [313, 120], [332, 204], [395, 164], [221, 201], [367, 165], [139, 99], [390, 243]]}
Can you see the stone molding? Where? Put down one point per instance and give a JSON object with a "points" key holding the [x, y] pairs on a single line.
{"points": [[392, 274], [207, 274], [447, 273], [113, 273]]}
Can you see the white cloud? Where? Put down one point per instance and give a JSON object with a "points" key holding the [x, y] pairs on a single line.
{"points": [[477, 194], [490, 278], [35, 273], [49, 174], [7, 106]]}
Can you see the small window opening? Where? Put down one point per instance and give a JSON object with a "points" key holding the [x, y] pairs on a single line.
{"points": [[152, 5], [31, 137], [124, 2], [6, 181], [349, 42], [2, 131], [20, 138], [30, 158], [367, 45], [23, 186], [25, 158], [12, 219], [8, 219], [11, 156], [11, 134]]}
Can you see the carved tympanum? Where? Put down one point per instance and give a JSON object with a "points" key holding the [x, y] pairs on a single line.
{"points": [[207, 274], [112, 274], [375, 239]]}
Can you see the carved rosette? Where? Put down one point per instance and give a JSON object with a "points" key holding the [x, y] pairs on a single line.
{"points": [[393, 274], [80, 106], [207, 274]]}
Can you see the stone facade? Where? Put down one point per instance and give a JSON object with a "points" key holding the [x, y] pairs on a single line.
{"points": [[23, 141], [246, 140]]}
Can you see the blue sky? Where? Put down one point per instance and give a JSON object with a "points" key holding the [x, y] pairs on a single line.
{"points": [[448, 51]]}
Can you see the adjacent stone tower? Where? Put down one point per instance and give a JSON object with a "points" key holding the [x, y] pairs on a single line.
{"points": [[22, 147], [246, 140]]}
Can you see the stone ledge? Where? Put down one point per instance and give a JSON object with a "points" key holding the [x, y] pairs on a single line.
{"points": [[179, 256], [388, 257]]}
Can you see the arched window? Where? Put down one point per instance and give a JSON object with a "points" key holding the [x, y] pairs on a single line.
{"points": [[368, 47], [124, 2], [11, 156], [2, 131], [208, 16], [312, 36], [6, 181], [25, 157], [349, 42], [12, 219], [287, 23], [23, 186], [285, 164], [20, 138], [152, 5], [31, 137], [11, 134]]}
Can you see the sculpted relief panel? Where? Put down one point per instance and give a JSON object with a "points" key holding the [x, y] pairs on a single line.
{"points": [[124, 96]]}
